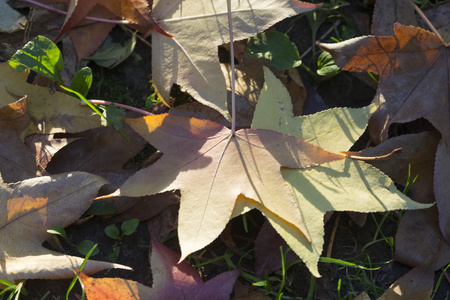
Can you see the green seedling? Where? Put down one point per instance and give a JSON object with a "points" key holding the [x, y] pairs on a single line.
{"points": [[72, 284], [326, 66], [43, 57], [101, 208], [127, 228], [13, 290], [83, 248]]}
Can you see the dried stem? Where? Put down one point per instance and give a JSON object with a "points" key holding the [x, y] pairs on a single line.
{"points": [[422, 15]]}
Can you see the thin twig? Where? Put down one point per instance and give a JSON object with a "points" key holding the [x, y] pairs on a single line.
{"points": [[125, 22], [102, 102], [233, 88], [422, 15], [367, 158]]}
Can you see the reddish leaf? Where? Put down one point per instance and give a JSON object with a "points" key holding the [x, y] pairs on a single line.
{"points": [[78, 9], [170, 281]]}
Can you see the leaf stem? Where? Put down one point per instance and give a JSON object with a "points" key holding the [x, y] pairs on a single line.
{"points": [[102, 102], [65, 13], [233, 87]]}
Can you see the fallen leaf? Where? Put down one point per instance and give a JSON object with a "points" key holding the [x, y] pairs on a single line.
{"points": [[18, 161], [335, 129], [10, 19], [89, 35], [170, 281], [101, 149], [416, 159], [388, 12], [190, 58], [267, 251], [14, 116], [49, 111], [45, 146], [417, 237], [344, 185], [418, 283], [217, 172], [32, 206], [413, 66]]}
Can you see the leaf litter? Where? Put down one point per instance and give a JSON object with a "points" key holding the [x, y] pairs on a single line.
{"points": [[244, 203]]}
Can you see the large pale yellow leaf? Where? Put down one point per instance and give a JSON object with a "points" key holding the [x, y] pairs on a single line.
{"points": [[28, 209], [334, 129], [212, 168], [344, 185], [190, 58], [49, 111]]}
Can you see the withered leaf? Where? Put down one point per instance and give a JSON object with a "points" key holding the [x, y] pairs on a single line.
{"points": [[28, 209]]}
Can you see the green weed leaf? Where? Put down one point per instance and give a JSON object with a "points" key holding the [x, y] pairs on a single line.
{"points": [[82, 81], [113, 232], [101, 208], [112, 115], [326, 66], [130, 226], [40, 55], [85, 246], [276, 47], [57, 230]]}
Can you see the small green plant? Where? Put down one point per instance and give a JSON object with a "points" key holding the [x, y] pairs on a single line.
{"points": [[88, 254], [127, 228], [83, 248], [326, 66], [44, 57], [13, 290]]}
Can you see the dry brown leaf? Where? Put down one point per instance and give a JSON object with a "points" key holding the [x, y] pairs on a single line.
{"points": [[219, 173], [388, 12], [418, 150], [45, 146], [17, 161], [98, 150], [417, 236], [413, 65], [87, 36], [32, 206], [417, 284], [14, 116]]}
